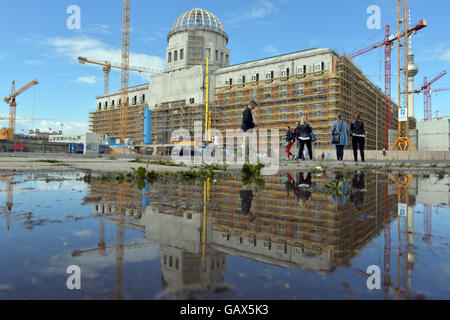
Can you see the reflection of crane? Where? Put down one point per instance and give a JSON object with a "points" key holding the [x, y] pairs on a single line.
{"points": [[387, 240], [11, 100], [427, 222], [426, 89], [9, 179], [107, 69], [403, 183]]}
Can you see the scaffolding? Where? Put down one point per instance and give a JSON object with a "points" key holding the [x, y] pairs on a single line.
{"points": [[170, 116], [318, 95], [108, 122]]}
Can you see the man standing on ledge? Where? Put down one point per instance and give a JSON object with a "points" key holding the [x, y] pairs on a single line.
{"points": [[247, 126]]}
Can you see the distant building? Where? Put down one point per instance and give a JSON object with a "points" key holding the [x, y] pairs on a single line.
{"points": [[43, 135], [91, 141]]}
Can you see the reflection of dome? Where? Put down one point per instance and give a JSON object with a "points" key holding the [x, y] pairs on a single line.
{"points": [[198, 19]]}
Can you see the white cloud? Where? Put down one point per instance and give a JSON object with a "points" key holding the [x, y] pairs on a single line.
{"points": [[33, 62], [261, 9], [313, 41], [271, 50], [91, 48], [439, 52], [83, 233], [87, 79], [99, 28]]}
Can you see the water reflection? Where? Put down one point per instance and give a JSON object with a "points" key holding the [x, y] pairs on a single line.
{"points": [[291, 223], [299, 221]]}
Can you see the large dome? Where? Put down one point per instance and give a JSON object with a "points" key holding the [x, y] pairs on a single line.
{"points": [[198, 19]]}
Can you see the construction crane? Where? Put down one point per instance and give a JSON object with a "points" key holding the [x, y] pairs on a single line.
{"points": [[107, 66], [402, 142], [126, 26], [11, 100], [426, 89], [387, 43], [437, 114]]}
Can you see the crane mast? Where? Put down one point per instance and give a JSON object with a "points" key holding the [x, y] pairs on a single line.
{"points": [[126, 19], [403, 142]]}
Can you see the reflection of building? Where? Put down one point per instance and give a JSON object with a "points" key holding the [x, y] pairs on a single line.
{"points": [[198, 224], [317, 237], [180, 239]]}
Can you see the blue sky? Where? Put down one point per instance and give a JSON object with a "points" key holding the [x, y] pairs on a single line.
{"points": [[37, 44]]}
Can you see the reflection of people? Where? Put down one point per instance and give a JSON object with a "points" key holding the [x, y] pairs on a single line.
{"points": [[358, 189], [303, 188], [246, 203], [290, 184], [340, 199]]}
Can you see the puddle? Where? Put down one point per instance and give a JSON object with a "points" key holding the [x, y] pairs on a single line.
{"points": [[295, 236]]}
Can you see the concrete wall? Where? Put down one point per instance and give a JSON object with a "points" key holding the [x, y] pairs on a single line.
{"points": [[434, 135], [433, 190], [179, 85], [390, 155]]}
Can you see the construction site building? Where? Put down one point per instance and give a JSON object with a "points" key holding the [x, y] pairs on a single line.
{"points": [[105, 120], [316, 83]]}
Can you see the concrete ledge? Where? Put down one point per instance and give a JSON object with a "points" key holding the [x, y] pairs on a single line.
{"points": [[390, 155]]}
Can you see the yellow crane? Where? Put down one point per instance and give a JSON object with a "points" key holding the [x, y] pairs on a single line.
{"points": [[8, 133], [107, 66], [126, 30]]}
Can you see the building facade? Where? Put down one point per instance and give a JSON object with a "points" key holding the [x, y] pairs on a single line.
{"points": [[316, 83]]}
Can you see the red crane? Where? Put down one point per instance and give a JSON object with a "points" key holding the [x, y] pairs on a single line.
{"points": [[426, 89], [387, 43]]}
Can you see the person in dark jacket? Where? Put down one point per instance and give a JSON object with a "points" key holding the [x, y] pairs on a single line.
{"points": [[358, 189], [247, 196], [303, 135], [247, 119], [303, 188], [358, 135], [247, 126], [289, 142]]}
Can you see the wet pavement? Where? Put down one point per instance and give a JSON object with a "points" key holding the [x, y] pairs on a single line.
{"points": [[296, 235]]}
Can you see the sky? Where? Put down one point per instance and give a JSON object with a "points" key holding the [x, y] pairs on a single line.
{"points": [[37, 44]]}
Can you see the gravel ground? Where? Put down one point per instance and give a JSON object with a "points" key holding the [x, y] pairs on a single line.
{"points": [[111, 163]]}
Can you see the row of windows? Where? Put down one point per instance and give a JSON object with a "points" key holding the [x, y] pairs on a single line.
{"points": [[175, 56], [133, 101], [220, 57], [252, 241], [283, 73]]}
